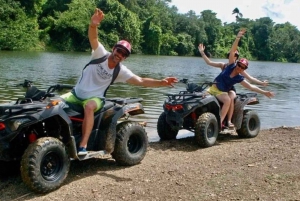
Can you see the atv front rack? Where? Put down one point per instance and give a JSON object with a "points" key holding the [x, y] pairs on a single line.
{"points": [[9, 109]]}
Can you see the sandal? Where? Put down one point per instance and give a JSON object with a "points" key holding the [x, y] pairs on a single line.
{"points": [[223, 126], [230, 125]]}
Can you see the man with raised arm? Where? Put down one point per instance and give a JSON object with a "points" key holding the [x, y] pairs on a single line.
{"points": [[96, 78]]}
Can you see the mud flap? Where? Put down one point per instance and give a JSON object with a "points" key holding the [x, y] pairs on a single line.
{"points": [[237, 116], [110, 138]]}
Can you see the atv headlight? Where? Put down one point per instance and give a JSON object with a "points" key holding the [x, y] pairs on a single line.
{"points": [[15, 123]]}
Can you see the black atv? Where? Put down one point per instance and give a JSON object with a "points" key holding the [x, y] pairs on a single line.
{"points": [[197, 111], [43, 133]]}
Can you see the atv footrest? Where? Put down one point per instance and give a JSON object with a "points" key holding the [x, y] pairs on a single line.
{"points": [[92, 154]]}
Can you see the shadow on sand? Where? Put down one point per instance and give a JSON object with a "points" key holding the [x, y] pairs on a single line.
{"points": [[13, 188], [186, 142]]}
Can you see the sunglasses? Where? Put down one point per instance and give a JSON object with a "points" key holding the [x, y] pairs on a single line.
{"points": [[122, 52], [242, 67]]}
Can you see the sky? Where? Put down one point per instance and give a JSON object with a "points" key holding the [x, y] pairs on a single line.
{"points": [[280, 11]]}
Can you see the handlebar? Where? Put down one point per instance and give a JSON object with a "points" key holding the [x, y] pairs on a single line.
{"points": [[34, 93], [192, 87], [59, 87], [66, 86], [184, 80], [25, 84]]}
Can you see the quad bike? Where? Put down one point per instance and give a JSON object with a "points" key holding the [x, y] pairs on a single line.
{"points": [[197, 111], [43, 133]]}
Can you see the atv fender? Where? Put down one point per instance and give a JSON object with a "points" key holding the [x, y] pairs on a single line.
{"points": [[213, 106], [68, 131], [45, 113], [54, 111], [132, 109], [238, 112]]}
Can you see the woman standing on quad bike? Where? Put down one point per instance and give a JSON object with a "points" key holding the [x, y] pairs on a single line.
{"points": [[232, 91], [230, 75]]}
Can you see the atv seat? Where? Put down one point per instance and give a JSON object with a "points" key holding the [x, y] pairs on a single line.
{"points": [[34, 93], [107, 105]]}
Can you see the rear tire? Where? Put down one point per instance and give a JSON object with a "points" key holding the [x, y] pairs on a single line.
{"points": [[131, 143], [45, 165], [250, 125], [164, 130], [206, 130]]}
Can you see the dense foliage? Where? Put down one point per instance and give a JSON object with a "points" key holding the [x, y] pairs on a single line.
{"points": [[152, 26]]}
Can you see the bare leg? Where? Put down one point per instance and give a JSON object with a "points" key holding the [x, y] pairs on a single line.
{"points": [[225, 99], [232, 96], [88, 122]]}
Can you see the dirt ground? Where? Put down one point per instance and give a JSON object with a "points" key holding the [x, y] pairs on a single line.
{"points": [[261, 168]]}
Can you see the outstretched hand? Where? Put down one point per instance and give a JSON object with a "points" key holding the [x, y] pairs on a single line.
{"points": [[201, 47], [265, 83], [269, 94], [241, 33], [97, 17], [169, 81]]}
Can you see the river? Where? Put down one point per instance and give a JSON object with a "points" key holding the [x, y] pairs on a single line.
{"points": [[46, 68]]}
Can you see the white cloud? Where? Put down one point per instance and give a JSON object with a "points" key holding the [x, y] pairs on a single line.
{"points": [[280, 11]]}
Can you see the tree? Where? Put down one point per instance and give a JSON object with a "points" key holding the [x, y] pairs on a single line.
{"points": [[285, 43], [152, 27], [32, 7], [18, 31], [70, 28], [152, 37], [158, 10], [212, 27], [238, 14], [261, 32], [185, 45], [168, 44], [120, 22]]}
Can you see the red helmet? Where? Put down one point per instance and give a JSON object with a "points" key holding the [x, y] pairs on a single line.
{"points": [[244, 61], [125, 45]]}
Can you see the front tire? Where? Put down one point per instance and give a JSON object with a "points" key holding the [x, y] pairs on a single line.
{"points": [[206, 130], [45, 165], [131, 143], [164, 130], [250, 125]]}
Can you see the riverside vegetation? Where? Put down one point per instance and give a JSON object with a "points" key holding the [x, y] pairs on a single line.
{"points": [[153, 27]]}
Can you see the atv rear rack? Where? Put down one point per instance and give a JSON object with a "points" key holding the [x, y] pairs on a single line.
{"points": [[183, 96]]}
